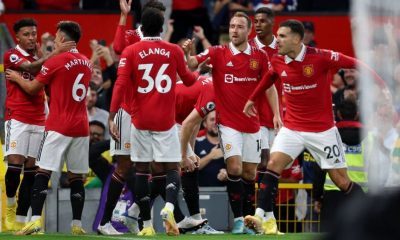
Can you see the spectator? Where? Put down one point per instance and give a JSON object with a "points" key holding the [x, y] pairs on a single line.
{"points": [[350, 79], [95, 113], [309, 34], [211, 157], [276, 5], [186, 15]]}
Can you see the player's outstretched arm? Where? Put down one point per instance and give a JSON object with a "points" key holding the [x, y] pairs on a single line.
{"points": [[30, 87]]}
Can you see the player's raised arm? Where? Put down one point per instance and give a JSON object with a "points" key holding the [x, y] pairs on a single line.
{"points": [[119, 38], [188, 78], [191, 60], [30, 87]]}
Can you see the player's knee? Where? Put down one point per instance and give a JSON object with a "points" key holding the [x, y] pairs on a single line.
{"points": [[235, 169], [249, 175]]}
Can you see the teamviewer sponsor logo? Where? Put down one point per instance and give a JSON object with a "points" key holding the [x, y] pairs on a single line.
{"points": [[228, 78]]}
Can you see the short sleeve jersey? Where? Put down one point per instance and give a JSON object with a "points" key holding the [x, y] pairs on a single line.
{"points": [[151, 66], [199, 96], [235, 75], [67, 76], [20, 105], [264, 109]]}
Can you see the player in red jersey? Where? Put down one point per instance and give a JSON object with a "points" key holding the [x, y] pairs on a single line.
{"points": [[123, 37], [237, 70], [122, 121], [150, 69], [265, 40], [66, 137], [24, 122], [308, 119]]}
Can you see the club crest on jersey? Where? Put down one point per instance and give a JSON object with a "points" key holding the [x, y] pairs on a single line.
{"points": [[228, 147], [13, 144], [253, 64], [308, 70], [127, 145]]}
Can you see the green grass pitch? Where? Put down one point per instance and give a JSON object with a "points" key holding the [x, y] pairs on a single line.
{"points": [[288, 236]]}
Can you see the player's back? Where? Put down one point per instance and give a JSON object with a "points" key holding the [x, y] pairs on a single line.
{"points": [[155, 65], [68, 82]]}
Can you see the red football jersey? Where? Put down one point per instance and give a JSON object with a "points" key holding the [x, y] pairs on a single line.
{"points": [[67, 76], [306, 86], [20, 105], [264, 109], [235, 75], [199, 96], [124, 38], [151, 65]]}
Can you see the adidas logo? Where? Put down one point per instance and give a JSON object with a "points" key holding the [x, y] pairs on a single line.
{"points": [[337, 161], [229, 64], [203, 152], [284, 74]]}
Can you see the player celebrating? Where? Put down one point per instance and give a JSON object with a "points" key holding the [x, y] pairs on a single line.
{"points": [[122, 121], [237, 69], [149, 68], [308, 120], [24, 126], [66, 129]]}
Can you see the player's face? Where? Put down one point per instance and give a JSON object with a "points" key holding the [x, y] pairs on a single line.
{"points": [[209, 124], [287, 41], [27, 37], [238, 30], [91, 99], [263, 25], [59, 38], [96, 134]]}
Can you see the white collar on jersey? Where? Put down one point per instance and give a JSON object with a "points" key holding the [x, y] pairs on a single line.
{"points": [[299, 57], [235, 51], [139, 32], [73, 50], [22, 51], [151, 39], [260, 45]]}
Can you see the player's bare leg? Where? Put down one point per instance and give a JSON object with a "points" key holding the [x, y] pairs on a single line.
{"points": [[341, 179]]}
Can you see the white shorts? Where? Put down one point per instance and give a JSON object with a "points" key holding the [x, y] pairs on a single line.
{"points": [[326, 147], [123, 147], [189, 149], [158, 146], [57, 148], [22, 139], [267, 137], [246, 145]]}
